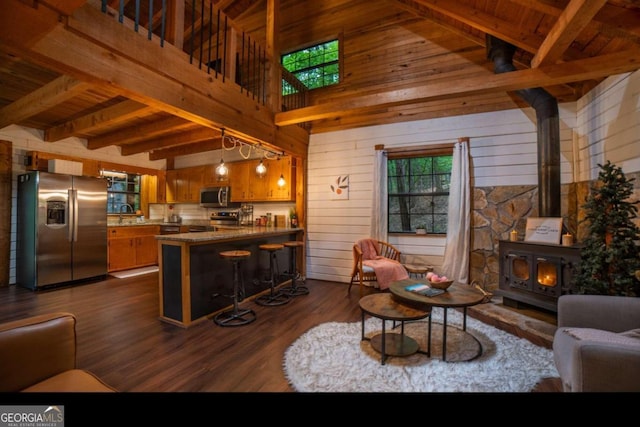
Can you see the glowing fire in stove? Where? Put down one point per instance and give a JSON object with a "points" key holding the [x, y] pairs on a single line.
{"points": [[547, 275], [548, 280]]}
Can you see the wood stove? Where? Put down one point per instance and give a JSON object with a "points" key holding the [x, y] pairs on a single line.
{"points": [[536, 273]]}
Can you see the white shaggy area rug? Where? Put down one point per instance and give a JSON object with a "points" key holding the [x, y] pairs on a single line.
{"points": [[331, 357]]}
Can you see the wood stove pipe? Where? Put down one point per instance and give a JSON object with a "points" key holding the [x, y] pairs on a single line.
{"points": [[548, 127]]}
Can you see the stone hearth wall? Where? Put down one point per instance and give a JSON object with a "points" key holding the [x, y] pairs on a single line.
{"points": [[499, 210]]}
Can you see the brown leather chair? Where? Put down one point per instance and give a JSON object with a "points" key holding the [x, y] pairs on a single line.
{"points": [[38, 354]]}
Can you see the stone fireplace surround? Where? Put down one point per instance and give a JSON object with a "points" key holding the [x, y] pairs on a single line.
{"points": [[499, 210]]}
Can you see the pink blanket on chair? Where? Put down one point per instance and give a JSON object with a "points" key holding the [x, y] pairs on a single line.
{"points": [[369, 249], [387, 270]]}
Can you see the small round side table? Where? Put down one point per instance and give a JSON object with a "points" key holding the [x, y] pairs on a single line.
{"points": [[383, 306]]}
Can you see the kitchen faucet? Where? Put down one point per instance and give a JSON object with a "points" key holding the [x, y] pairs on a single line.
{"points": [[127, 208]]}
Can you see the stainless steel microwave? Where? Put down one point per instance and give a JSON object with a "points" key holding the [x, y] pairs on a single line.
{"points": [[215, 197]]}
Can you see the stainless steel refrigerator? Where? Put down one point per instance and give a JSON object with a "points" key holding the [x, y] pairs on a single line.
{"points": [[61, 229]]}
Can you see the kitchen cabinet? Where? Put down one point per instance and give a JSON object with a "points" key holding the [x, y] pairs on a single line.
{"points": [[243, 187], [246, 186], [209, 178], [132, 247], [161, 187], [183, 185], [276, 169]]}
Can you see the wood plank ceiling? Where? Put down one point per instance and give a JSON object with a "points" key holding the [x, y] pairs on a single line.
{"points": [[401, 60]]}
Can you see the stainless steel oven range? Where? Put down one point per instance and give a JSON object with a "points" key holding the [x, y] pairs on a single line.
{"points": [[169, 228], [225, 217]]}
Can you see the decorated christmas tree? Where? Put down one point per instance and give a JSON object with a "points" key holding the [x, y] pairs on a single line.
{"points": [[611, 255]]}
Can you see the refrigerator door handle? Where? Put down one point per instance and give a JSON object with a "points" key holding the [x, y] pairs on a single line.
{"points": [[73, 227]]}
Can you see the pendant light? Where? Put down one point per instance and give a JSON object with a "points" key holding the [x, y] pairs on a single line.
{"points": [[281, 181], [261, 170], [222, 170]]}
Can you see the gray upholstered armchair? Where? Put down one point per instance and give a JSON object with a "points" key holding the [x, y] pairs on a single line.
{"points": [[596, 347]]}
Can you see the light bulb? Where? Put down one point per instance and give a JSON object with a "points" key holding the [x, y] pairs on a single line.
{"points": [[221, 170], [281, 181], [261, 169]]}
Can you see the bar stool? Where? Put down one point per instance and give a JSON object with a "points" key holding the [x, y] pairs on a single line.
{"points": [[273, 297], [294, 289], [235, 316]]}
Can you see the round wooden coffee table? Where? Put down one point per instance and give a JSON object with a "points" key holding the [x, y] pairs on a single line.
{"points": [[383, 306], [458, 295]]}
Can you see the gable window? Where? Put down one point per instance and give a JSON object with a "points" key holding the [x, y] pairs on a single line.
{"points": [[418, 190], [315, 66]]}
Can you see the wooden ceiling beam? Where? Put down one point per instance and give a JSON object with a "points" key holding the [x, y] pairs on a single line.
{"points": [[168, 141], [48, 96], [575, 17], [103, 119], [608, 17], [186, 149], [579, 70], [134, 134], [504, 30]]}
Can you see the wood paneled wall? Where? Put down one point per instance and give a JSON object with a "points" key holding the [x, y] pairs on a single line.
{"points": [[503, 149]]}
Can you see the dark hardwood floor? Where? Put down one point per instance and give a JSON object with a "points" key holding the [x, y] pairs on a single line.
{"points": [[121, 339]]}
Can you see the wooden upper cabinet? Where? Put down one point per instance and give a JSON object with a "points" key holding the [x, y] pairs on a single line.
{"points": [[240, 182], [161, 189], [275, 170], [194, 181], [183, 185], [246, 186], [172, 185], [209, 178], [148, 192]]}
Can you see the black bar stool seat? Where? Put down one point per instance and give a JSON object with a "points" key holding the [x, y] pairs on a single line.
{"points": [[294, 290], [274, 297], [235, 316]]}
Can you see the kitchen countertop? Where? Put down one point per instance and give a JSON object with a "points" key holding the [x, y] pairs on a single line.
{"points": [[226, 232], [129, 222]]}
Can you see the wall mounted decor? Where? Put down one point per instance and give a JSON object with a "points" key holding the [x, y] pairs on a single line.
{"points": [[340, 188]]}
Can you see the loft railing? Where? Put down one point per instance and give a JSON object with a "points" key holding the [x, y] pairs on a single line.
{"points": [[213, 45]]}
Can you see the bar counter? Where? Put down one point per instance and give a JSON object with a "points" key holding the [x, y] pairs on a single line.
{"points": [[195, 283]]}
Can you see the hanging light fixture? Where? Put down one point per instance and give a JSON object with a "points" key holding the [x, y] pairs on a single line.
{"points": [[222, 170], [281, 181], [261, 170]]}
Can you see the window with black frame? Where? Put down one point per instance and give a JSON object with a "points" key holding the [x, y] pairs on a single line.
{"points": [[418, 191], [123, 192], [315, 66]]}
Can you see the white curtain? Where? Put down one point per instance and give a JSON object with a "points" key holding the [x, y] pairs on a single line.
{"points": [[456, 251], [379, 229]]}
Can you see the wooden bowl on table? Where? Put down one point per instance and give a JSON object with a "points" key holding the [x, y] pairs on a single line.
{"points": [[441, 285]]}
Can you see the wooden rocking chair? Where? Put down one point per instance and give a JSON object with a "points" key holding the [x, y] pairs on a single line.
{"points": [[363, 273]]}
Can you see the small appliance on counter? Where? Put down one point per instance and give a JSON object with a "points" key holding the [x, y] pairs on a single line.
{"points": [[246, 214], [174, 219]]}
